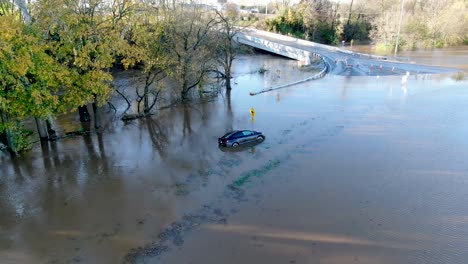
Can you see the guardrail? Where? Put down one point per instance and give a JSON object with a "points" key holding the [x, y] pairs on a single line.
{"points": [[316, 76]]}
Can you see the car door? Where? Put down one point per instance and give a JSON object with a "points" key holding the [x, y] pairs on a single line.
{"points": [[238, 137], [248, 136], [241, 137]]}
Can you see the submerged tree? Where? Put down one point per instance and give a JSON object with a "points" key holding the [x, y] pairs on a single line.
{"points": [[189, 33], [152, 52], [30, 80], [226, 47], [84, 36]]}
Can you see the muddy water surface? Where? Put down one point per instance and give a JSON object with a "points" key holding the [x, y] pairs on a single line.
{"points": [[453, 57], [353, 170]]}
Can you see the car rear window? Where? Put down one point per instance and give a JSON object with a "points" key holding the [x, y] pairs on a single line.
{"points": [[227, 134], [237, 135]]}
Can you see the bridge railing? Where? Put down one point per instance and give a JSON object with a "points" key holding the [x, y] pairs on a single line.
{"points": [[296, 40], [315, 44], [278, 48], [287, 51]]}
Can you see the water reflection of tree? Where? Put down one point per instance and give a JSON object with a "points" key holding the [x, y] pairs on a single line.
{"points": [[195, 156], [102, 155], [10, 197], [89, 146], [187, 124], [53, 160], [46, 155], [157, 135], [16, 167]]}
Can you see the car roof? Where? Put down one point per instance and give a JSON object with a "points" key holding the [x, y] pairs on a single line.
{"points": [[243, 130], [235, 131], [230, 133]]}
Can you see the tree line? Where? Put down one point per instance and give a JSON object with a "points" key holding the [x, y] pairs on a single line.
{"points": [[424, 24], [56, 56]]}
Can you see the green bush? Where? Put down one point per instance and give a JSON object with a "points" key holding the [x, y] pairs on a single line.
{"points": [[459, 76]]}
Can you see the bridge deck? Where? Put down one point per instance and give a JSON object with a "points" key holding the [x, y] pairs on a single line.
{"points": [[340, 61]]}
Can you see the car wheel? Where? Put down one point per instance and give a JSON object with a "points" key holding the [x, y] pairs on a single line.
{"points": [[235, 144], [260, 138]]}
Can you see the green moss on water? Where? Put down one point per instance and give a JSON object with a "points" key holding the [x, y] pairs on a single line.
{"points": [[256, 173]]}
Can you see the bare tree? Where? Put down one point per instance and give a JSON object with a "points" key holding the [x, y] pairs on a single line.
{"points": [[189, 33], [226, 48]]}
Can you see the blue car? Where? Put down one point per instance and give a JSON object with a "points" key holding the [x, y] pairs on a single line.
{"points": [[238, 137]]}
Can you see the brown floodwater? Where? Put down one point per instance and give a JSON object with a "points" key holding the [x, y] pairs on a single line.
{"points": [[453, 57], [353, 170]]}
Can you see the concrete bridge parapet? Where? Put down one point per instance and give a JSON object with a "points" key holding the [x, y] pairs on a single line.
{"points": [[287, 49], [274, 47]]}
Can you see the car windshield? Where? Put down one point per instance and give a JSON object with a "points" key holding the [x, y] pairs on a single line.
{"points": [[248, 133]]}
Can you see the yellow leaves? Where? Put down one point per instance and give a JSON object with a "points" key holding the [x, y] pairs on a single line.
{"points": [[9, 27], [14, 45], [44, 102], [43, 97], [85, 87], [27, 73]]}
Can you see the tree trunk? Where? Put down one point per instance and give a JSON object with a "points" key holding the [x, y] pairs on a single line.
{"points": [[230, 117], [97, 117], [350, 11], [334, 16], [146, 100], [184, 95], [50, 130], [228, 99], [8, 134], [84, 114], [228, 78], [184, 92], [42, 129], [9, 137], [21, 4]]}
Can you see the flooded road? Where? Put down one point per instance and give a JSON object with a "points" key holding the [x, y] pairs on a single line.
{"points": [[353, 170]]}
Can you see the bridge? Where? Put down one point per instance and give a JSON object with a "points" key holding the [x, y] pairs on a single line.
{"points": [[334, 60]]}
